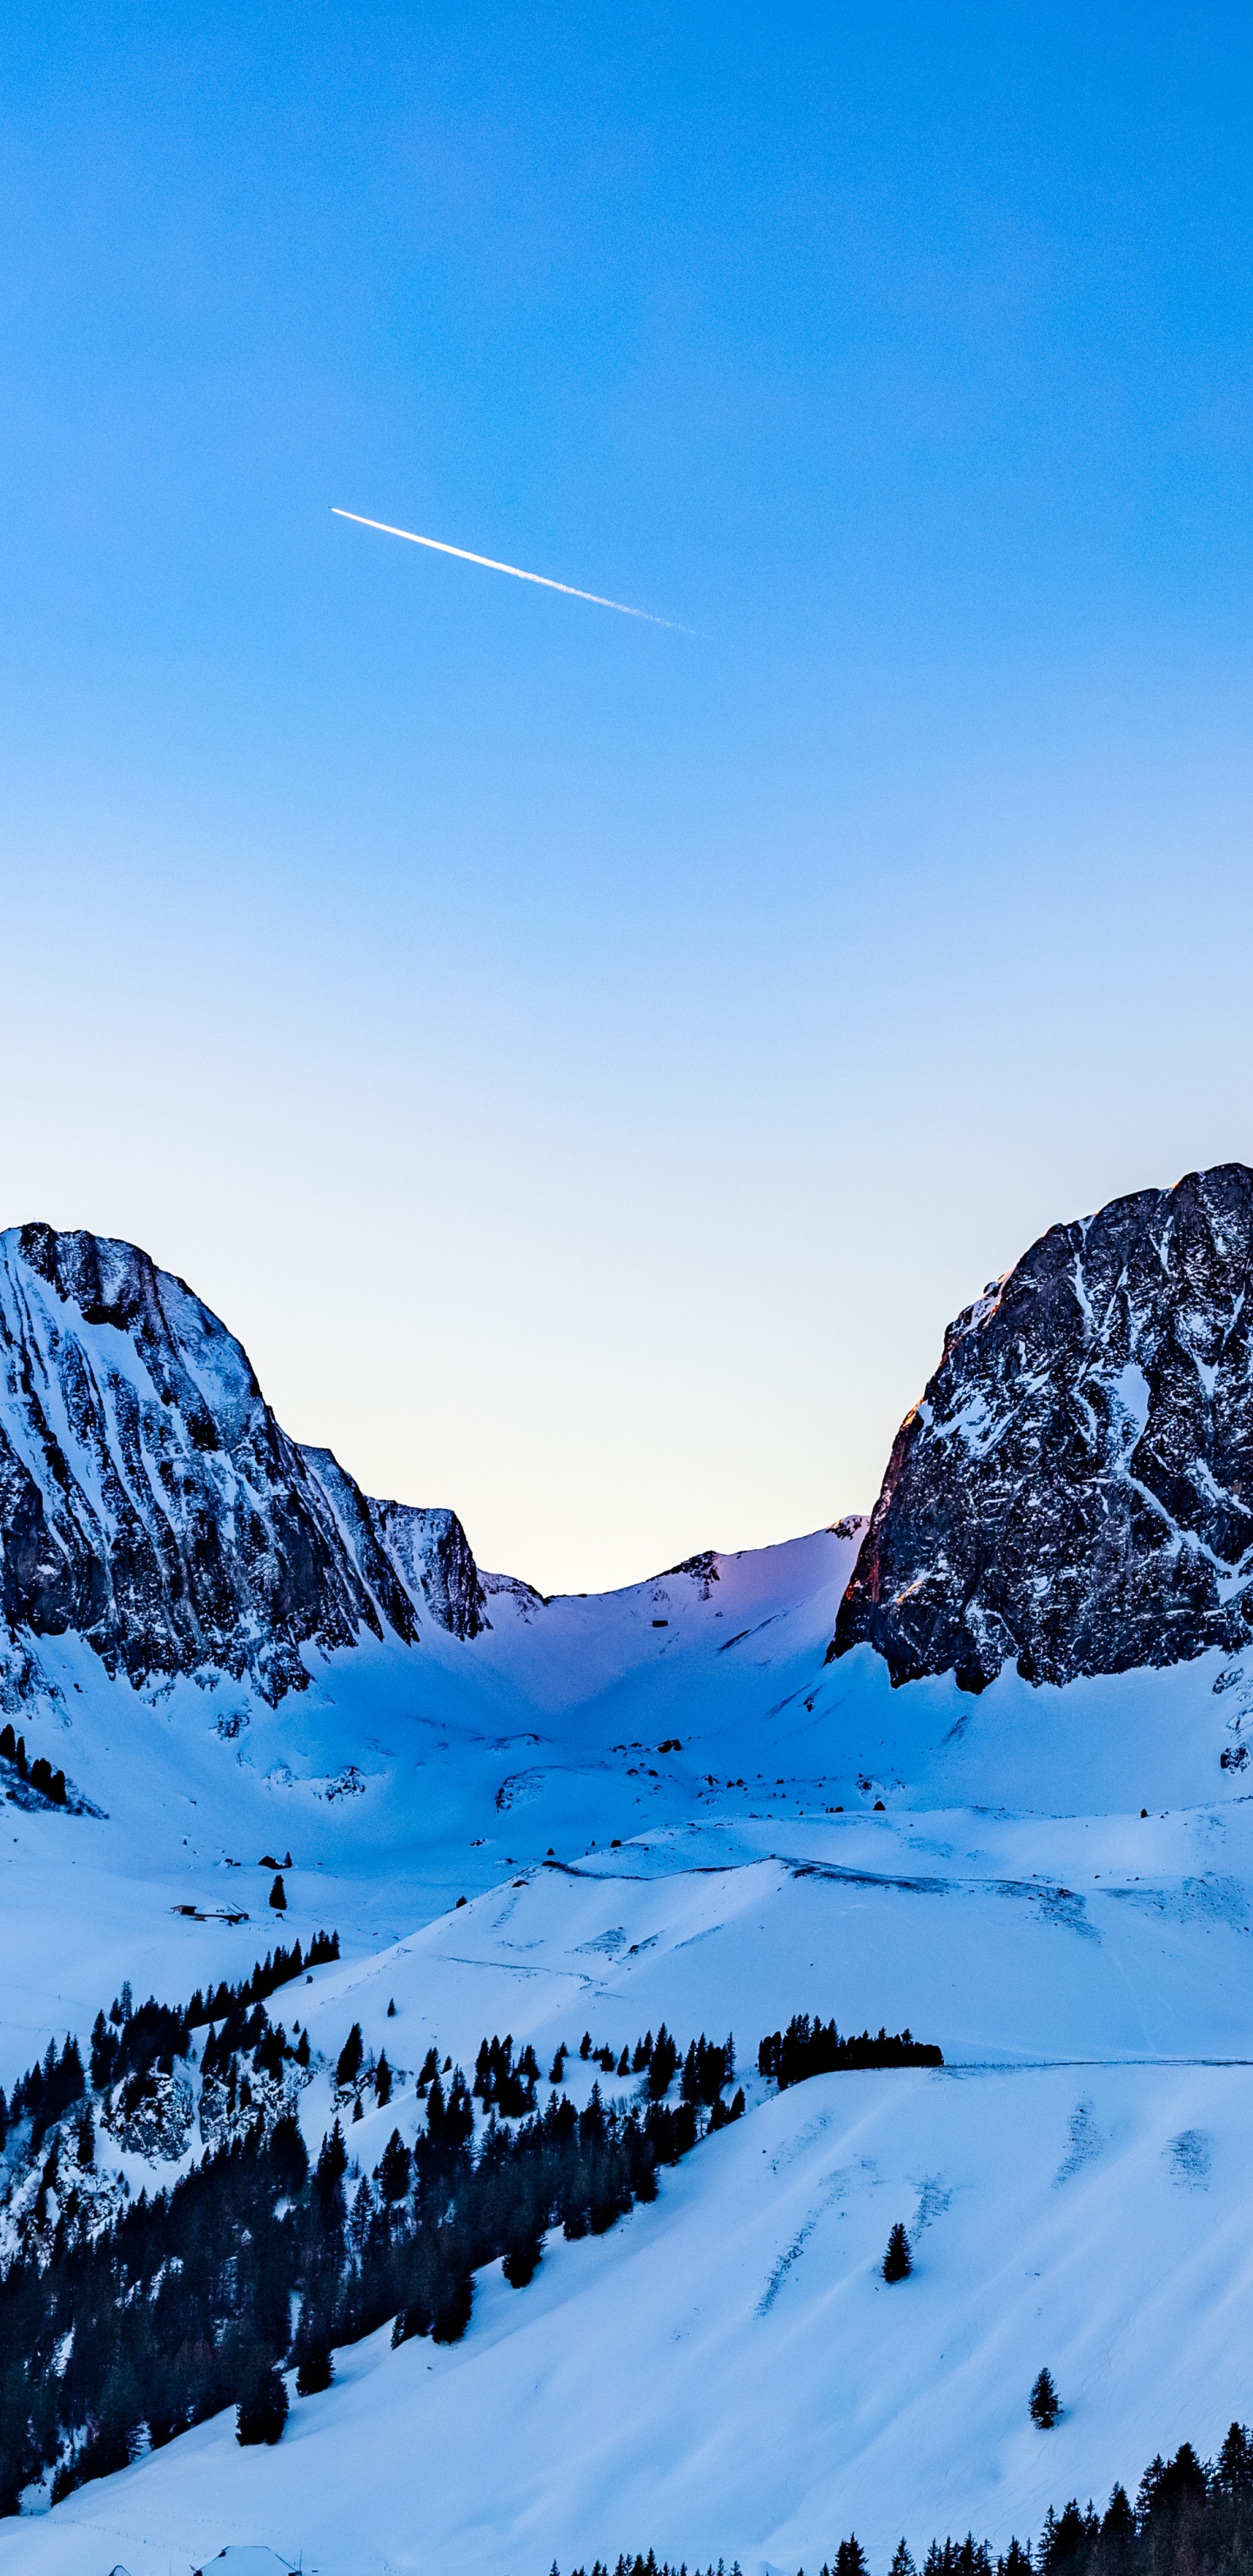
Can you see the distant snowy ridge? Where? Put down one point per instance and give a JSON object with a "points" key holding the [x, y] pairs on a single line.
{"points": [[1074, 1493], [150, 1502]]}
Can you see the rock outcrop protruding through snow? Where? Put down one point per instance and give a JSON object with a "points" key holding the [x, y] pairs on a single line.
{"points": [[1075, 1490]]}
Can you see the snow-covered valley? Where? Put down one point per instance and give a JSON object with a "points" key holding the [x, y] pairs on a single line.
{"points": [[725, 2372], [667, 1804]]}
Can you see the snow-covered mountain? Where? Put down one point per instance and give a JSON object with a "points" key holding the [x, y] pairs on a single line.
{"points": [[150, 1503], [1075, 1490], [667, 1803]]}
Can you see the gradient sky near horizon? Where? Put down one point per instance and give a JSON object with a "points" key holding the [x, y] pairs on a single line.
{"points": [[588, 1064]]}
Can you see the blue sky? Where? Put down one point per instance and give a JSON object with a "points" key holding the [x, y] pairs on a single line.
{"points": [[589, 1064]]}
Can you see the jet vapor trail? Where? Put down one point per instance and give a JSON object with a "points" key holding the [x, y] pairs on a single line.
{"points": [[462, 552]]}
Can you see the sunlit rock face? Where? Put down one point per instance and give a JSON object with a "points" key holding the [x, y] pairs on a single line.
{"points": [[1074, 1493]]}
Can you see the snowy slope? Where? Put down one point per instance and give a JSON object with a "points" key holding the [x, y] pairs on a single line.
{"points": [[724, 2373], [398, 1780], [1061, 1959]]}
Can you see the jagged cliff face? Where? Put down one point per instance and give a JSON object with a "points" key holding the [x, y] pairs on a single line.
{"points": [[148, 1498], [1075, 1491], [432, 1556]]}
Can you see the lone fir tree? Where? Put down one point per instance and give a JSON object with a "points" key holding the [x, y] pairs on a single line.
{"points": [[1044, 2405], [898, 2262]]}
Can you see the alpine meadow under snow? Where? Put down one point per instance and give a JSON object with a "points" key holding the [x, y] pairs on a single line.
{"points": [[737, 1793]]}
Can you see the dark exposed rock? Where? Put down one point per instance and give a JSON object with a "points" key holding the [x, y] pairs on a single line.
{"points": [[1075, 1490], [151, 2114], [150, 1502], [431, 1553]]}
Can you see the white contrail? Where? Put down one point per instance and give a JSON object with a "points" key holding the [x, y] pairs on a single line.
{"points": [[462, 552]]}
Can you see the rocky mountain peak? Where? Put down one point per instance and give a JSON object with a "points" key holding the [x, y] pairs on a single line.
{"points": [[1074, 1493], [150, 1502]]}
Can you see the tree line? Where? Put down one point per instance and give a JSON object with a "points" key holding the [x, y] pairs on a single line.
{"points": [[1191, 2517], [276, 1969], [815, 2048], [38, 1774], [183, 2303], [650, 2566]]}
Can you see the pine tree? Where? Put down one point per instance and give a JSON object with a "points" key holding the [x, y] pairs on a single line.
{"points": [[662, 2065], [902, 2563], [1044, 2406], [348, 2064], [850, 2558], [1118, 2535], [262, 2410], [315, 2367], [1234, 2469], [278, 1896], [395, 2166], [1068, 2540], [898, 2262], [521, 2263], [289, 2156], [452, 2314], [332, 2163], [1146, 2495]]}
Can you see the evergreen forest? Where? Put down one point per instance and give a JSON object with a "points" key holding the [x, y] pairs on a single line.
{"points": [[1190, 2518]]}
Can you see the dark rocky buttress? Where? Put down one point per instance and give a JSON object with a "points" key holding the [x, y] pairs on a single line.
{"points": [[149, 1501], [1074, 1493]]}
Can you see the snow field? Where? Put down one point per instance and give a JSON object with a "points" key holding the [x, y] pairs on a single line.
{"points": [[725, 2373], [728, 2373]]}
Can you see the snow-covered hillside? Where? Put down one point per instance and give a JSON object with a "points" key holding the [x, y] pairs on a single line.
{"points": [[727, 2371], [664, 1803]]}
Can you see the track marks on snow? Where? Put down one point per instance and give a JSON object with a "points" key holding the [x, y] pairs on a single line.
{"points": [[1191, 2155], [1086, 2142], [837, 2187]]}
